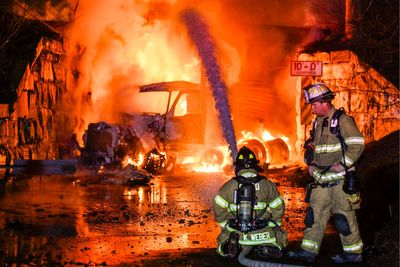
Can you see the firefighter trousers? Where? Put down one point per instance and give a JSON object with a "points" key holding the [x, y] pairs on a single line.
{"points": [[266, 236], [324, 203]]}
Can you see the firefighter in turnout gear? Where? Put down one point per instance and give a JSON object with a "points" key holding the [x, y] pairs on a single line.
{"points": [[249, 210], [334, 146]]}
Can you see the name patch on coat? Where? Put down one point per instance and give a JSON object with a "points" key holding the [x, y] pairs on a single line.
{"points": [[256, 237]]}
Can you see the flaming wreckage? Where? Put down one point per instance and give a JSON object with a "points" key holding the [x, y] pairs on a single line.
{"points": [[184, 136], [155, 142]]}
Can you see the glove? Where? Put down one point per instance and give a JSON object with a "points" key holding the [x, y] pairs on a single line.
{"points": [[337, 167], [231, 247], [309, 149], [311, 170], [354, 198]]}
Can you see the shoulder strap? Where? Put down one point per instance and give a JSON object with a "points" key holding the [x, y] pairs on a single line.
{"points": [[335, 127], [240, 179], [244, 180], [258, 178], [335, 121], [312, 132]]}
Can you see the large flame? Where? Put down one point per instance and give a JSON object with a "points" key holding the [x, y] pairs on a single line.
{"points": [[119, 46], [116, 45]]}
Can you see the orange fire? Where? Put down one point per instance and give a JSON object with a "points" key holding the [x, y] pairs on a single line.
{"points": [[267, 136], [116, 46], [128, 160], [122, 50]]}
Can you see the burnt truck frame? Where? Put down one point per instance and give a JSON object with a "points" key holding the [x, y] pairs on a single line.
{"points": [[188, 136]]}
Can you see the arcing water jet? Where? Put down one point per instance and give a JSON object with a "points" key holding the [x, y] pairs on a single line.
{"points": [[200, 35]]}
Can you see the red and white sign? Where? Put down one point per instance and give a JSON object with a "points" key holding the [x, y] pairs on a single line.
{"points": [[306, 68]]}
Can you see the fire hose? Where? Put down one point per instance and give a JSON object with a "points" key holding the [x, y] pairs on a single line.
{"points": [[245, 198], [256, 263]]}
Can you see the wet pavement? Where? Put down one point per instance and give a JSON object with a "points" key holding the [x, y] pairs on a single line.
{"points": [[96, 221]]}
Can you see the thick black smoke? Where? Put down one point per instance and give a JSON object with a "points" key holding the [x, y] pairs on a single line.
{"points": [[200, 35]]}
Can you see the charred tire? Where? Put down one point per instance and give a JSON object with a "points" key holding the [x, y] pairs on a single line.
{"points": [[212, 156], [278, 151]]}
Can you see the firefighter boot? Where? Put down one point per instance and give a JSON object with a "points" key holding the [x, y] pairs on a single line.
{"points": [[231, 247], [302, 255], [347, 258], [269, 252]]}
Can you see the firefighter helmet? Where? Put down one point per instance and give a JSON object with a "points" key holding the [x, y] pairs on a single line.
{"points": [[318, 92], [246, 159]]}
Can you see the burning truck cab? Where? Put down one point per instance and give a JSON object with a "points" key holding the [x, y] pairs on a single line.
{"points": [[182, 135], [187, 132]]}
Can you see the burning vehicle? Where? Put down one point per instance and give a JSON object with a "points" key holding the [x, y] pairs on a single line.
{"points": [[158, 141], [106, 143], [186, 132], [185, 135]]}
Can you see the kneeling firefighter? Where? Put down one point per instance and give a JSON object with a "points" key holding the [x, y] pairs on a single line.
{"points": [[249, 210]]}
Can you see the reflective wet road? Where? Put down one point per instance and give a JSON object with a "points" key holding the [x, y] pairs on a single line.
{"points": [[87, 220]]}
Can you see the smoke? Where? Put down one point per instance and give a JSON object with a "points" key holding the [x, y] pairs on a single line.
{"points": [[205, 44], [114, 46]]}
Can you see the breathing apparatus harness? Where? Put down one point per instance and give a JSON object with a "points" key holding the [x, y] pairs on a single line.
{"points": [[350, 185], [246, 218]]}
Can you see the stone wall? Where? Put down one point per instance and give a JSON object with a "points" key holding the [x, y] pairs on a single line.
{"points": [[364, 94]]}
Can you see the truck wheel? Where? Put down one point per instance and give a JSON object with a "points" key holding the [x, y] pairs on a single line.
{"points": [[212, 156], [278, 151]]}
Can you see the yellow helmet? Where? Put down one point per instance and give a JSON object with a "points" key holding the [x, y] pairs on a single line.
{"points": [[317, 92]]}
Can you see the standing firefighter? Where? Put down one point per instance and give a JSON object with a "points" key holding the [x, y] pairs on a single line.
{"points": [[335, 144], [249, 210]]}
